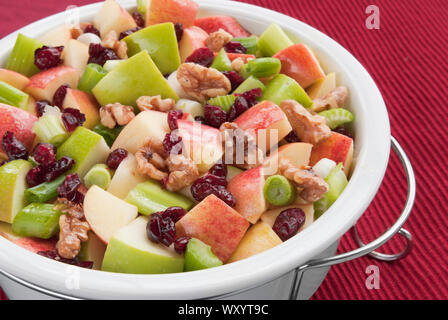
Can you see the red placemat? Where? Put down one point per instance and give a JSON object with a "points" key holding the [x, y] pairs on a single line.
{"points": [[407, 59]]}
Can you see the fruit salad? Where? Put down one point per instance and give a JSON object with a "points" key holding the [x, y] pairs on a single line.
{"points": [[153, 141]]}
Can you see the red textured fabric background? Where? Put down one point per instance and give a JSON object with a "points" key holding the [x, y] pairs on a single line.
{"points": [[407, 58]]}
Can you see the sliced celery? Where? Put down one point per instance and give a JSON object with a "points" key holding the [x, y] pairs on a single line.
{"points": [[22, 57], [99, 175], [273, 40], [222, 61], [279, 191], [49, 129], [225, 102], [45, 191], [249, 84], [337, 117], [37, 220], [13, 96], [263, 67], [91, 76], [249, 43]]}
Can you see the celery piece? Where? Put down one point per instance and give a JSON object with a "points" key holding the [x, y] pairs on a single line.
{"points": [[225, 102], [337, 117], [37, 220], [107, 133], [199, 256], [222, 62], [273, 40], [49, 129], [250, 43], [13, 96], [45, 191], [99, 175], [263, 67], [283, 88], [21, 59], [249, 84], [279, 191], [91, 76], [149, 197]]}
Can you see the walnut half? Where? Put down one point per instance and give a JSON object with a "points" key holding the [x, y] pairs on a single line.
{"points": [[116, 113]]}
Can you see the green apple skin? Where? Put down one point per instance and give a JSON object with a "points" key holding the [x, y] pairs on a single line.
{"points": [[249, 84], [93, 250], [199, 256], [283, 88], [130, 251], [273, 40], [86, 147], [13, 186], [161, 43], [232, 172], [135, 77]]}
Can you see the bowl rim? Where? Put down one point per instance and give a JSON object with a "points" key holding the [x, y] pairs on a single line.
{"points": [[371, 164]]}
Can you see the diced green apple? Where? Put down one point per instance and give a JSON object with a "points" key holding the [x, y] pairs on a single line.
{"points": [[21, 59], [39, 220], [130, 251], [93, 250], [86, 147], [250, 43], [199, 256], [160, 42], [13, 96], [273, 40], [13, 182], [249, 84], [126, 177], [222, 62], [137, 76], [283, 88]]}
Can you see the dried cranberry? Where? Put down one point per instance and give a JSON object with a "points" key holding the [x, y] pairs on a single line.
{"points": [[234, 78], [203, 56], [175, 213], [219, 170], [199, 119], [179, 28], [13, 148], [72, 118], [40, 107], [91, 29], [288, 222], [180, 245], [161, 230], [51, 254], [239, 107], [45, 154], [58, 168], [251, 96], [35, 176], [69, 187], [172, 143], [292, 137], [206, 185], [235, 47], [214, 116], [225, 195], [173, 115], [59, 95], [138, 18], [48, 57], [126, 33], [99, 55], [344, 131], [116, 157]]}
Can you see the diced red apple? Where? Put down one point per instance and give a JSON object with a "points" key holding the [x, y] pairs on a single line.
{"points": [[300, 63], [229, 24], [267, 122], [247, 187], [19, 122], [76, 55], [298, 153], [215, 223], [36, 245], [269, 216], [246, 57], [112, 16], [183, 11], [201, 142], [84, 102], [43, 85], [13, 78], [193, 38], [337, 147], [59, 36]]}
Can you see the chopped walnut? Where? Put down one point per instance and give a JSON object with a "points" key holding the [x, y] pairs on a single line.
{"points": [[217, 40], [309, 128], [202, 83], [155, 103], [237, 64], [116, 113], [334, 99], [314, 187], [121, 48], [183, 172], [111, 41], [240, 148], [76, 32], [151, 160]]}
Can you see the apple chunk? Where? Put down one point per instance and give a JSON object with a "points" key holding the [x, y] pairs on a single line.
{"points": [[193, 38], [298, 153], [106, 213], [229, 24], [183, 11], [76, 55], [322, 86], [126, 177], [59, 36], [258, 238], [130, 251], [112, 17], [85, 103], [145, 125], [247, 187], [13, 78], [215, 223], [267, 122], [93, 250]]}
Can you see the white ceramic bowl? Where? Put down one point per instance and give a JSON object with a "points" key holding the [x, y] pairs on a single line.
{"points": [[372, 144]]}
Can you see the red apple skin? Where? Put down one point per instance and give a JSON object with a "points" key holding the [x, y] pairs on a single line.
{"points": [[299, 63], [229, 24], [245, 57], [18, 121], [35, 244], [247, 187], [337, 147], [43, 85], [183, 11], [216, 224], [14, 79], [193, 38], [83, 101]]}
